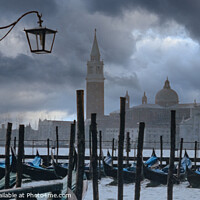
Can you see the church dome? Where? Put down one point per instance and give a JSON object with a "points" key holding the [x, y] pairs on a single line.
{"points": [[166, 97]]}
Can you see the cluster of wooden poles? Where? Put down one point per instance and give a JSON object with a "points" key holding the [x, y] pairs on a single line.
{"points": [[19, 158], [81, 151], [19, 168], [94, 157]]}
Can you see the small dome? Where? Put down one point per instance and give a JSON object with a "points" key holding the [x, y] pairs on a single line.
{"points": [[166, 97]]}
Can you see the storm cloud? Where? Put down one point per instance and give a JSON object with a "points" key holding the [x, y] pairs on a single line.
{"points": [[182, 11], [141, 42]]}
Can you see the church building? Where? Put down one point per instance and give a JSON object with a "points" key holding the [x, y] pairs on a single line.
{"points": [[156, 116]]}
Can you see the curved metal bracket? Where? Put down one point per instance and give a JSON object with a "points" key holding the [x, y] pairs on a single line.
{"points": [[14, 23]]}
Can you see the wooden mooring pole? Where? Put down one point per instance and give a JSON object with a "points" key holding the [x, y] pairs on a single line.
{"points": [[7, 156], [57, 144], [113, 148], [121, 148], [20, 156], [134, 153], [90, 142], [127, 148], [100, 153], [195, 155], [172, 155], [161, 150], [15, 139], [48, 155], [94, 157], [138, 177], [71, 153], [80, 143], [180, 157]]}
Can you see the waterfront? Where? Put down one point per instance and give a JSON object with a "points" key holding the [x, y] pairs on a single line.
{"points": [[109, 192]]}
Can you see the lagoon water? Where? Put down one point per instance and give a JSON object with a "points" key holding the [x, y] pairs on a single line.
{"points": [[109, 192], [180, 192]]}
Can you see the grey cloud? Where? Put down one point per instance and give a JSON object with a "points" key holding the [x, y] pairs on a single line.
{"points": [[116, 87], [49, 70], [54, 78], [13, 7], [48, 80], [184, 12]]}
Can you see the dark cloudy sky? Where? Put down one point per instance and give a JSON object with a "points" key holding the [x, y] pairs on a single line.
{"points": [[142, 43]]}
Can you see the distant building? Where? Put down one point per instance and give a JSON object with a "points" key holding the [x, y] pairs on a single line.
{"points": [[47, 129], [156, 116], [29, 135], [157, 120]]}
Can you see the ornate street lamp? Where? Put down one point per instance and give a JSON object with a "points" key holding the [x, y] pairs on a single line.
{"points": [[40, 39]]}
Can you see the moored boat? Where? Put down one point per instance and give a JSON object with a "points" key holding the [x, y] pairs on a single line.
{"points": [[37, 172], [128, 176], [61, 169], [153, 173], [13, 163], [157, 175], [193, 178]]}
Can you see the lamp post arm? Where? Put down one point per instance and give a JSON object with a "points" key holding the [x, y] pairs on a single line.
{"points": [[14, 23]]}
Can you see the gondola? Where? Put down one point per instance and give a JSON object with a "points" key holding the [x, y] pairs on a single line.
{"points": [[156, 175], [37, 172], [128, 175], [153, 161], [61, 169], [12, 181], [2, 170], [193, 178], [13, 163], [185, 163]]}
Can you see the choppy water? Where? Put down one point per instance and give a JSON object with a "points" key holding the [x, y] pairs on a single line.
{"points": [[108, 192]]}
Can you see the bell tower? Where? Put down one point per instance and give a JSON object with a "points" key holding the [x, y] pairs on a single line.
{"points": [[95, 83], [144, 99]]}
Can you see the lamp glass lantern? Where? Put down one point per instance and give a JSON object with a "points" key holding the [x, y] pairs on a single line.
{"points": [[40, 39]]}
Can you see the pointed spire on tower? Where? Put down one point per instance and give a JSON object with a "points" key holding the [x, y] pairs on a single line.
{"points": [[127, 100], [144, 99], [95, 54]]}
